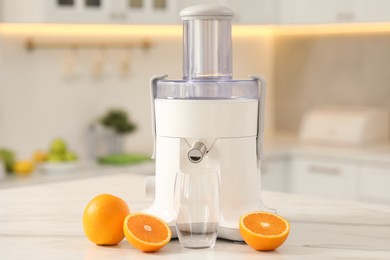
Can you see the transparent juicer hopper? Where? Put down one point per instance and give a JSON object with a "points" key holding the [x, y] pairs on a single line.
{"points": [[207, 106], [207, 59]]}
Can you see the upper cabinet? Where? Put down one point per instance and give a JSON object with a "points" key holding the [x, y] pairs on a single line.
{"points": [[333, 11], [314, 11], [113, 11], [19, 11], [253, 11], [91, 11], [371, 10], [245, 11], [167, 11]]}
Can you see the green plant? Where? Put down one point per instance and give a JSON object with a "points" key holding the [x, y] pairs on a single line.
{"points": [[118, 120], [8, 158]]}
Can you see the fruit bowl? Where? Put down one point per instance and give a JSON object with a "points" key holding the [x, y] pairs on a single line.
{"points": [[59, 166]]}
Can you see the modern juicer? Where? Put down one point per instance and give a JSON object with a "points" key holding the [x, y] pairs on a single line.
{"points": [[209, 120]]}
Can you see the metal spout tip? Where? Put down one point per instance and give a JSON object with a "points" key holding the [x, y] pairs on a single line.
{"points": [[197, 152]]}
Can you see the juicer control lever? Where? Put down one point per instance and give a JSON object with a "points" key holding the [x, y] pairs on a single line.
{"points": [[196, 152]]}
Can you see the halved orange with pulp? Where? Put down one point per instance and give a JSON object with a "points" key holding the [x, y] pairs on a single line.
{"points": [[264, 230], [146, 232]]}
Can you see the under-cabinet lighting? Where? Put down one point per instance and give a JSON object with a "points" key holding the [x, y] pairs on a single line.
{"points": [[89, 30], [176, 30], [114, 30], [329, 29]]}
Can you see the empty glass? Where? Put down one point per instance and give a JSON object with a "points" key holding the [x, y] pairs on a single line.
{"points": [[197, 207]]}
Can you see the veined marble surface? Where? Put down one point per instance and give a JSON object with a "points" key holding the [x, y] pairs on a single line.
{"points": [[44, 221]]}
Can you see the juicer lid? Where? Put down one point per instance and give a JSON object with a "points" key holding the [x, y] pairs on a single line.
{"points": [[206, 11]]}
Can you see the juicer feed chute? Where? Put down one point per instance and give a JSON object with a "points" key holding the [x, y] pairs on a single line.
{"points": [[208, 120]]}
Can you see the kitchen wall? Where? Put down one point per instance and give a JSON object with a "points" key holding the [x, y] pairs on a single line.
{"points": [[38, 103], [313, 70]]}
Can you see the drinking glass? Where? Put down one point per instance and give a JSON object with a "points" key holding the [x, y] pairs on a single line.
{"points": [[197, 207]]}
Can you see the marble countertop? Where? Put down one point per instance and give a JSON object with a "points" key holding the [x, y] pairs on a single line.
{"points": [[43, 221]]}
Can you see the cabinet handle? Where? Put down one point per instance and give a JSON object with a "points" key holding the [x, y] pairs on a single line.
{"points": [[345, 16], [113, 15], [324, 169]]}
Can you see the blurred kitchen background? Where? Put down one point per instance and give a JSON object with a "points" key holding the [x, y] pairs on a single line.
{"points": [[65, 63]]}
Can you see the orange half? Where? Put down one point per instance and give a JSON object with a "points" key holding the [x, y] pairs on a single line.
{"points": [[264, 230], [146, 232]]}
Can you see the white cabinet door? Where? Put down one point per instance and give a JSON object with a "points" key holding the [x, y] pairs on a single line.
{"points": [[371, 10], [315, 11], [323, 178], [374, 183], [187, 3], [246, 11], [21, 11], [78, 11], [253, 12], [274, 174], [333, 11], [113, 11], [152, 11], [144, 11]]}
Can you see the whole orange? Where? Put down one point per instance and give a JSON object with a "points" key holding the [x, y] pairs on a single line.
{"points": [[103, 219]]}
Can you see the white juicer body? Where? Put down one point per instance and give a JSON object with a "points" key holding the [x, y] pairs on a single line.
{"points": [[231, 131], [208, 120]]}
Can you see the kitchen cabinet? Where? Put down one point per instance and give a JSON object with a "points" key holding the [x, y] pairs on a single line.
{"points": [[91, 11], [371, 10], [20, 11], [114, 11], [357, 180], [129, 11], [374, 180], [246, 11], [283, 12], [253, 12], [78, 11], [333, 11], [315, 11], [275, 173], [323, 177]]}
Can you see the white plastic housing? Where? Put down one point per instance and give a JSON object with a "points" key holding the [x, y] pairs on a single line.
{"points": [[209, 109], [229, 129], [206, 118]]}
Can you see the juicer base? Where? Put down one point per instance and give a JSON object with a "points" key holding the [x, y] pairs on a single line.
{"points": [[230, 234]]}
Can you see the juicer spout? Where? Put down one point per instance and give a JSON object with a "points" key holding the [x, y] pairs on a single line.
{"points": [[197, 152]]}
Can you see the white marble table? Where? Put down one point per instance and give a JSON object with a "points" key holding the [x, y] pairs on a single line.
{"points": [[43, 221]]}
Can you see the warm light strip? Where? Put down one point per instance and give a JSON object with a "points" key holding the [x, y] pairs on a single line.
{"points": [[113, 30], [89, 30], [323, 29], [176, 30]]}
